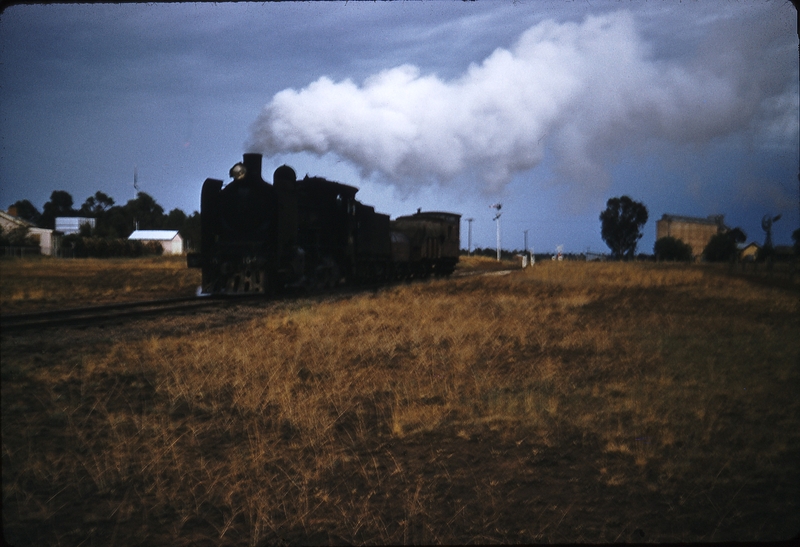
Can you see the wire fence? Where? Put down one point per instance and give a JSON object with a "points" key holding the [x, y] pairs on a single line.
{"points": [[787, 269], [20, 252]]}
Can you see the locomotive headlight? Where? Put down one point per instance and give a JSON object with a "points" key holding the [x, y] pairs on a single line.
{"points": [[238, 171]]}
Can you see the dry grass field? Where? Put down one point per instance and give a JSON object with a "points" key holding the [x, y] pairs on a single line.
{"points": [[570, 402], [45, 283]]}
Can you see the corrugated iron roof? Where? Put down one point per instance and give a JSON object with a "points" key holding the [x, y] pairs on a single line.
{"points": [[154, 235], [14, 219]]}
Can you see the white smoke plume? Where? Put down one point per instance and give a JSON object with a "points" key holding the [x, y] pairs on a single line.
{"points": [[586, 90]]}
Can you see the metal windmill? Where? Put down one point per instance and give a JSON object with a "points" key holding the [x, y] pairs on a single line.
{"points": [[766, 225]]}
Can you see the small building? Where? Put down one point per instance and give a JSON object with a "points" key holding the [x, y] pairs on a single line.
{"points": [[749, 252], [49, 240], [170, 240], [695, 232], [72, 225]]}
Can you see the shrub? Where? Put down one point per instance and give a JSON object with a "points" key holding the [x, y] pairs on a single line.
{"points": [[153, 248], [670, 248], [722, 246], [96, 247], [796, 239]]}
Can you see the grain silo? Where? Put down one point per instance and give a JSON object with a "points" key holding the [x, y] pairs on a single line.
{"points": [[695, 232]]}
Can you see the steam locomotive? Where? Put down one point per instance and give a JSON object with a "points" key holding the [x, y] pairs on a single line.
{"points": [[312, 233]]}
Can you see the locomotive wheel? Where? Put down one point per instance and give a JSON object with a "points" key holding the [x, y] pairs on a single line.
{"points": [[424, 270]]}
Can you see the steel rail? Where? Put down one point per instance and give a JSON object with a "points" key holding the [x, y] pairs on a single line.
{"points": [[109, 312]]}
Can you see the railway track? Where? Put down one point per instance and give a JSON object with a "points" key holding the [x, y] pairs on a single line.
{"points": [[101, 314], [93, 315]]}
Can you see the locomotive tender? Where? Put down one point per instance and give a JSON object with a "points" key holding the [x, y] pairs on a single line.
{"points": [[258, 237]]}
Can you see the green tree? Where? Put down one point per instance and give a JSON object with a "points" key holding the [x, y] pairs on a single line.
{"points": [[175, 220], [96, 205], [86, 230], [722, 247], [190, 231], [670, 248], [621, 223], [27, 211], [60, 205], [115, 222], [146, 212]]}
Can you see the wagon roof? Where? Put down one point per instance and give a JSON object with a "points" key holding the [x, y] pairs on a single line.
{"points": [[319, 182], [432, 215]]}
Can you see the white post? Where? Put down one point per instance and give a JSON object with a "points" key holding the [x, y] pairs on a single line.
{"points": [[497, 206], [525, 251], [497, 218]]}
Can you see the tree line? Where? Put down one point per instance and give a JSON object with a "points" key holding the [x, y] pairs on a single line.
{"points": [[112, 221], [623, 218], [621, 224]]}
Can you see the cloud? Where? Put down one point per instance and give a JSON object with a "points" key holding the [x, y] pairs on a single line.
{"points": [[585, 90]]}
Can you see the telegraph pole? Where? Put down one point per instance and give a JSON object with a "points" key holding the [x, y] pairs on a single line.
{"points": [[135, 194], [469, 236]]}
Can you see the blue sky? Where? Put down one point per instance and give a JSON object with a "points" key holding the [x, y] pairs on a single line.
{"points": [[550, 108]]}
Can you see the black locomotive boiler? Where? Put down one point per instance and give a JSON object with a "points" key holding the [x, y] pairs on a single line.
{"points": [[258, 237]]}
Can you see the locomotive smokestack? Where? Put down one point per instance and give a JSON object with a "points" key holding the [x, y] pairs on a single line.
{"points": [[252, 162]]}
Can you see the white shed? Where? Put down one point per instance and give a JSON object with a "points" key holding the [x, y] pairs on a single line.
{"points": [[170, 240]]}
